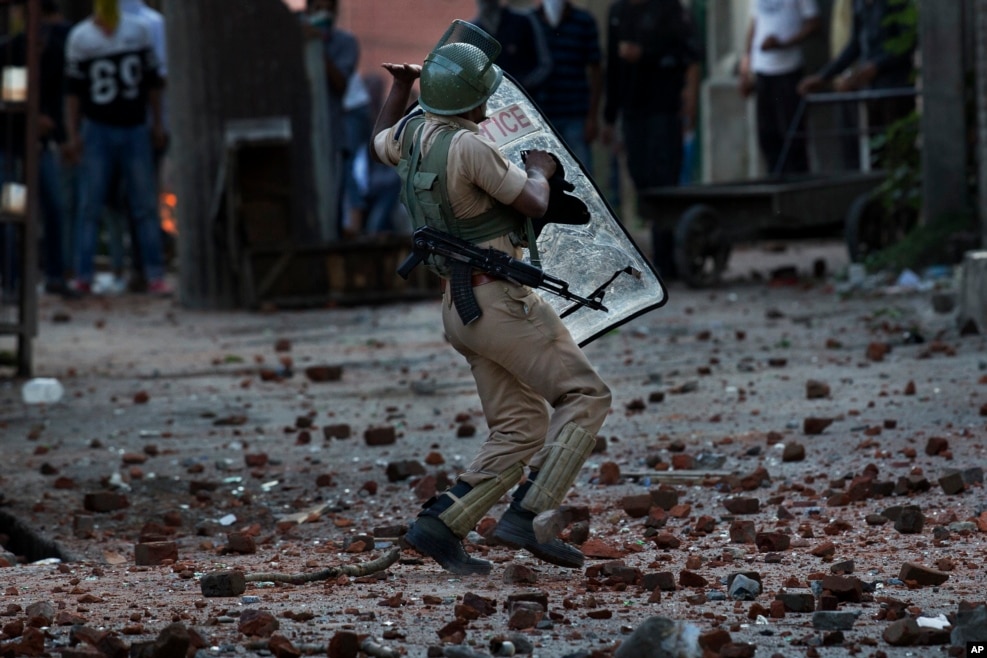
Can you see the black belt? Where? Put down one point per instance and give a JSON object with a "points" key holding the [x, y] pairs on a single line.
{"points": [[478, 279]]}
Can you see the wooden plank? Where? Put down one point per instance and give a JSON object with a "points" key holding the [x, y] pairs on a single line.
{"points": [[677, 476]]}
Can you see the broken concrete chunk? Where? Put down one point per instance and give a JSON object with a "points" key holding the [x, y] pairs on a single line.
{"points": [[834, 620], [223, 583]]}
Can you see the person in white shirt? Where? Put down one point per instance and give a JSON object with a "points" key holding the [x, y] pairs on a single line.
{"points": [[772, 66]]}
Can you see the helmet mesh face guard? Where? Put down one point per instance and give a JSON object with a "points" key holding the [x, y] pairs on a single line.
{"points": [[459, 73], [463, 32]]}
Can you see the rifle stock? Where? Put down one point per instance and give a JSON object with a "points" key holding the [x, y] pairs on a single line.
{"points": [[412, 260]]}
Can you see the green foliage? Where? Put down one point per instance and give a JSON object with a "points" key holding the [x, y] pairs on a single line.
{"points": [[899, 151], [897, 146], [900, 158], [904, 14], [926, 245]]}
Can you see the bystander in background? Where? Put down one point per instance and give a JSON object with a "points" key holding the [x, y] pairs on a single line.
{"points": [[772, 66], [570, 96], [341, 55], [112, 82], [869, 61], [359, 123], [525, 54], [652, 87], [374, 206], [51, 131]]}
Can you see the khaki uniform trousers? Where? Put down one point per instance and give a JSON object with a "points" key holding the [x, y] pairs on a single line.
{"points": [[531, 376]]}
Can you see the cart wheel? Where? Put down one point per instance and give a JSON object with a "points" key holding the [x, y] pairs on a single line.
{"points": [[870, 227], [701, 248]]}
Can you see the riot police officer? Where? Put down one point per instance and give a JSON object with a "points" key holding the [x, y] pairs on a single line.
{"points": [[542, 399]]}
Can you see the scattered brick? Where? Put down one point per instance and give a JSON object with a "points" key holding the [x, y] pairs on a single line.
{"points": [[323, 373], [380, 436], [337, 431], [743, 532], [815, 389], [609, 473], [922, 576], [344, 644], [742, 505], [877, 351], [105, 501], [936, 445], [637, 505], [771, 542], [665, 497], [812, 425], [240, 543], [691, 579], [793, 452], [155, 553], [525, 614], [399, 471]]}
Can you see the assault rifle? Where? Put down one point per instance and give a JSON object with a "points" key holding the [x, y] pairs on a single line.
{"points": [[463, 257]]}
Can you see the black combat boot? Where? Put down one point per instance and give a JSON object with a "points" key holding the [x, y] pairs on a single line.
{"points": [[430, 536], [516, 529]]}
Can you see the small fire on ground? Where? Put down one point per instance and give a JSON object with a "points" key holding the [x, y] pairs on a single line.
{"points": [[167, 204]]}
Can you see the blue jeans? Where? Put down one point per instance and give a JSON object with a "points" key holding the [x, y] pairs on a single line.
{"points": [[359, 126], [382, 199], [573, 131], [109, 151], [53, 211]]}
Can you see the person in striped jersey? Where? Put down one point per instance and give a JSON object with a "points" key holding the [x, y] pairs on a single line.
{"points": [[112, 79]]}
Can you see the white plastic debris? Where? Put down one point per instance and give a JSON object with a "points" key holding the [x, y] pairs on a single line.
{"points": [[42, 390], [937, 623], [908, 279]]}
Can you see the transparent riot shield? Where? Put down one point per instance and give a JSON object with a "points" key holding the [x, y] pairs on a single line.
{"points": [[596, 257]]}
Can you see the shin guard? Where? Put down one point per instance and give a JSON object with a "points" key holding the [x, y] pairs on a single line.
{"points": [[557, 475], [465, 512]]}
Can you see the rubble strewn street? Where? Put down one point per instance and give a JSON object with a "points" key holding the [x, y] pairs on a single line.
{"points": [[792, 467]]}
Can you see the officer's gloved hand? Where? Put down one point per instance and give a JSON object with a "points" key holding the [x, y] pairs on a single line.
{"points": [[539, 160]]}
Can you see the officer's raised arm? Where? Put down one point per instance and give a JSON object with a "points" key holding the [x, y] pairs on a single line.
{"points": [[403, 81]]}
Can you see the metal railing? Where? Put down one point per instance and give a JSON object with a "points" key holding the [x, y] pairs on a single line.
{"points": [[863, 130]]}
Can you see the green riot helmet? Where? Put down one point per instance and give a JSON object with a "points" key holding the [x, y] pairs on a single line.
{"points": [[459, 73]]}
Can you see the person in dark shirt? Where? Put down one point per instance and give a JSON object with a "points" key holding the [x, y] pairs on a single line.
{"points": [[867, 62], [652, 86], [525, 55], [570, 96], [112, 79], [341, 56], [53, 34]]}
